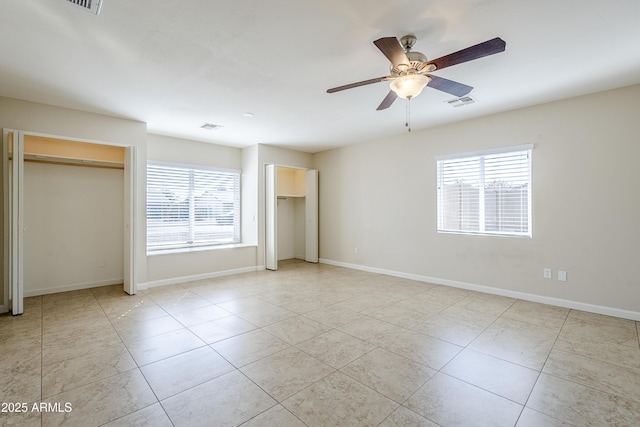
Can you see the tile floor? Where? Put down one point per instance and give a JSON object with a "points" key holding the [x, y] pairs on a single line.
{"points": [[314, 345]]}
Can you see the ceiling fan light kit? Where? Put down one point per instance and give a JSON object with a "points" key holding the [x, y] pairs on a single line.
{"points": [[410, 71], [410, 85]]}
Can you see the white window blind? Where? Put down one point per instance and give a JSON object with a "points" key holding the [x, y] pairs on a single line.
{"points": [[191, 206], [485, 192]]}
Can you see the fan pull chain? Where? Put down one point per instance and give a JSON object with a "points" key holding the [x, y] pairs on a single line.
{"points": [[408, 121]]}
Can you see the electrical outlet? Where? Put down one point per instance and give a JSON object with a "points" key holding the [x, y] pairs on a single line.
{"points": [[547, 273], [356, 250], [562, 276]]}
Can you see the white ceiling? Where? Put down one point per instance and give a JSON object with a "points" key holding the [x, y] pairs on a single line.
{"points": [[176, 64]]}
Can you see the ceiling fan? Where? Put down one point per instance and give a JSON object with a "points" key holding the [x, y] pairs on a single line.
{"points": [[410, 71]]}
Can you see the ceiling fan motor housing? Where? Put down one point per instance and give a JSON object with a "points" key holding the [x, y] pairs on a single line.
{"points": [[416, 59], [416, 62], [408, 41]]}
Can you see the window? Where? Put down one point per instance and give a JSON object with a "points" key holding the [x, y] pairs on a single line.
{"points": [[486, 192], [189, 206]]}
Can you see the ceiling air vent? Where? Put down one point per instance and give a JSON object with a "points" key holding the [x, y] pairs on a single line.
{"points": [[210, 126], [92, 6], [459, 102]]}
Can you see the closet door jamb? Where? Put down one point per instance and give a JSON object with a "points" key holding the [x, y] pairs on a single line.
{"points": [[14, 218], [271, 217], [311, 216]]}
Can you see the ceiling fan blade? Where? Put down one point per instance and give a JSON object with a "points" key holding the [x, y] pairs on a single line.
{"points": [[391, 48], [387, 101], [449, 86], [480, 50], [357, 84]]}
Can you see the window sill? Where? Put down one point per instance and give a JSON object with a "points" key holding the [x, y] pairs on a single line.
{"points": [[199, 249], [471, 233]]}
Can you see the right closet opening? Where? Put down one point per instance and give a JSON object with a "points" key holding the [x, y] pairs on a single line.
{"points": [[291, 214]]}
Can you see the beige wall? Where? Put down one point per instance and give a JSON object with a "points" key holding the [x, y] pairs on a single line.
{"points": [[381, 198], [171, 268], [176, 150], [74, 227], [176, 267], [291, 228], [249, 186], [281, 157], [68, 123]]}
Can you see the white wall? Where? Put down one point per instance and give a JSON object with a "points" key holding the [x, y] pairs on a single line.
{"points": [[381, 197], [73, 227]]}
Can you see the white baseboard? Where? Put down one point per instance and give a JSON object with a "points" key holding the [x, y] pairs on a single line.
{"points": [[608, 311], [67, 288], [283, 257], [193, 278], [291, 256], [4, 309]]}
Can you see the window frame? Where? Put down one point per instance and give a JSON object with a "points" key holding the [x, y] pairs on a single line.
{"points": [[200, 244], [482, 221]]}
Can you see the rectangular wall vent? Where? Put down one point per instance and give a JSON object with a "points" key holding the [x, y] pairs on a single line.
{"points": [[459, 102], [92, 6]]}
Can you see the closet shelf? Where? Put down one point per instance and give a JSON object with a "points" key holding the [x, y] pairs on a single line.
{"points": [[286, 196]]}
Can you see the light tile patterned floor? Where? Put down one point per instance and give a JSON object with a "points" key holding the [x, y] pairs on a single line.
{"points": [[314, 345]]}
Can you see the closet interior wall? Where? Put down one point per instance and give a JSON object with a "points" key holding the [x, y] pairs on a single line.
{"points": [[73, 201], [291, 213]]}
